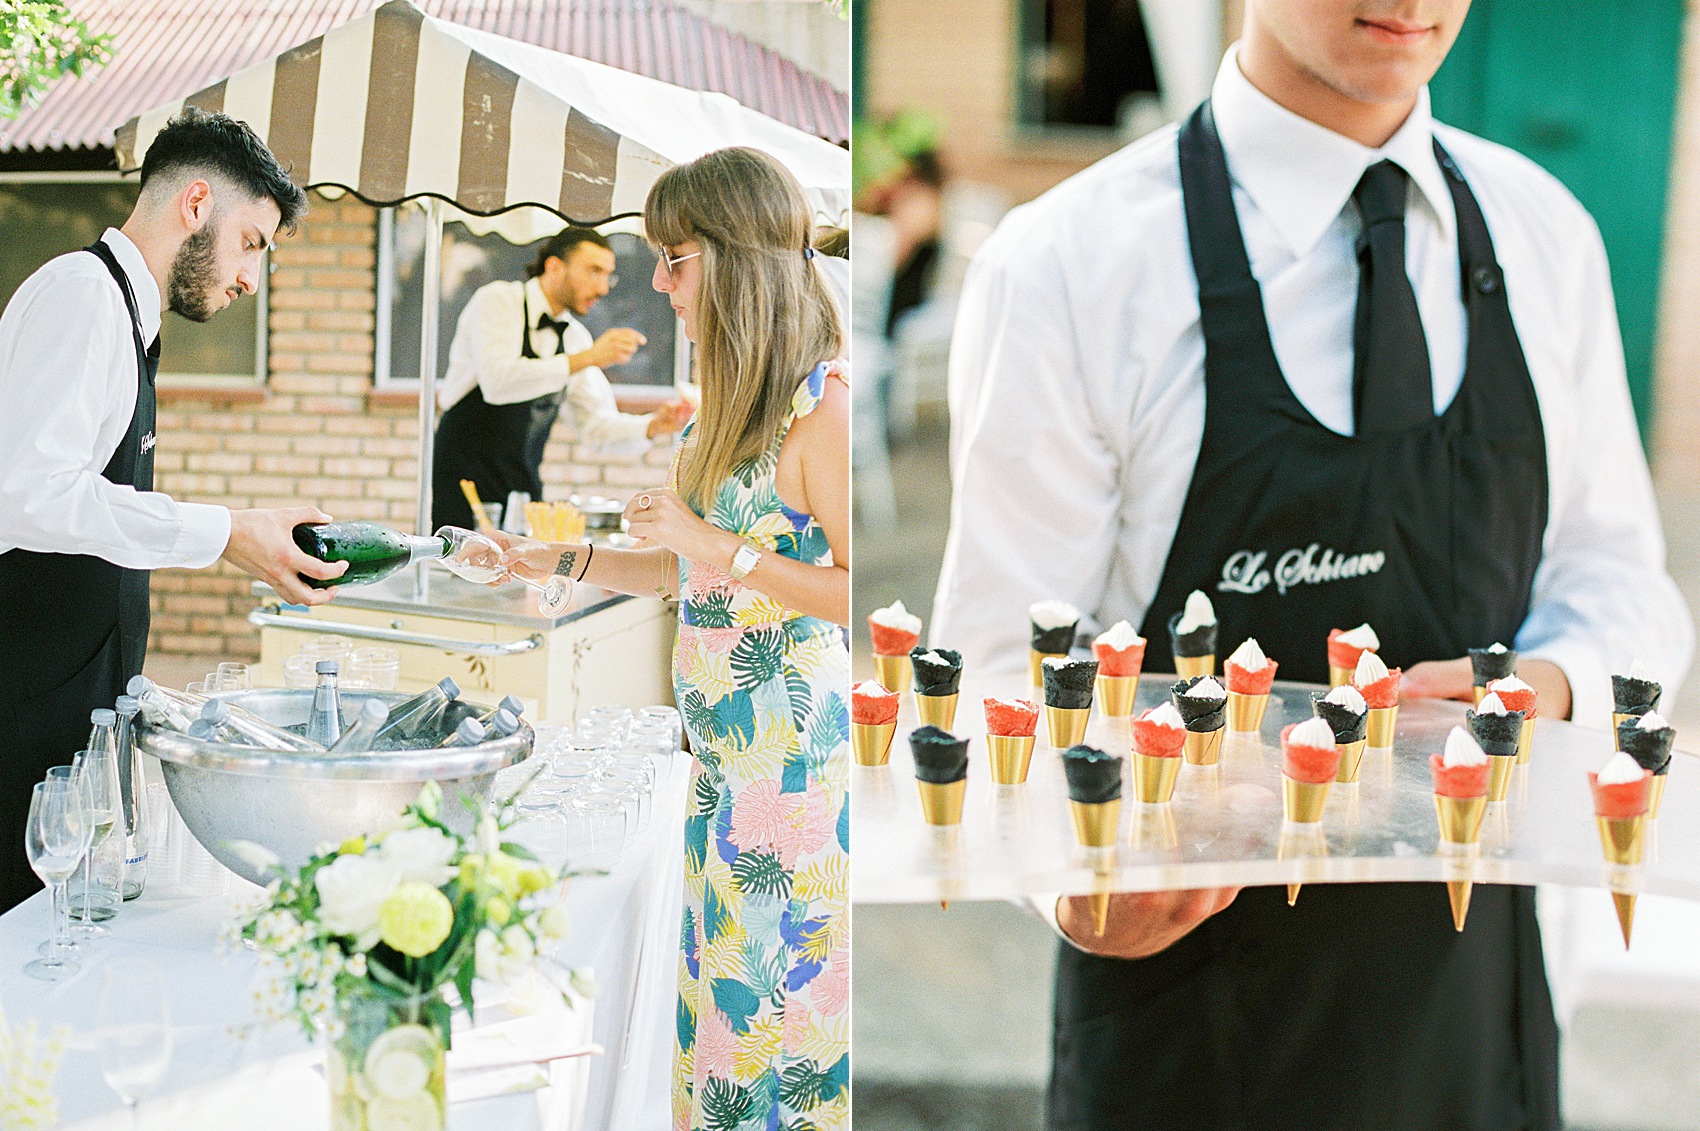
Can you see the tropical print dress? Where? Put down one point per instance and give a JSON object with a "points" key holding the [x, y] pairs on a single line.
{"points": [[764, 975]]}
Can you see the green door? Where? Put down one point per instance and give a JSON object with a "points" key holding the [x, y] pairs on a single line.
{"points": [[1588, 89]]}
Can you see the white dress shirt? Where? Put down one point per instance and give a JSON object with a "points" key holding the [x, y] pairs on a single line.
{"points": [[67, 394], [1077, 390], [485, 355]]}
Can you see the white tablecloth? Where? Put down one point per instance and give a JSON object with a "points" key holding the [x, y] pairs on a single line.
{"points": [[624, 927]]}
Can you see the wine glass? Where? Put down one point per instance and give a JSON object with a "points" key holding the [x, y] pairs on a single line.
{"points": [[97, 769], [134, 1028], [55, 838], [479, 560], [53, 947]]}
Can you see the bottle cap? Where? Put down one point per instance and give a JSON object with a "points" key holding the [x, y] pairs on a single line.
{"points": [[215, 710], [503, 723], [139, 685], [201, 728], [103, 717], [127, 705], [470, 732], [374, 713], [513, 706], [449, 687], [325, 667]]}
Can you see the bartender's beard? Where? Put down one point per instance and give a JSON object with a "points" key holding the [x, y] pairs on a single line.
{"points": [[193, 280]]}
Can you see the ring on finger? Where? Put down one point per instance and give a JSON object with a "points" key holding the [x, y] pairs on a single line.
{"points": [[643, 502]]}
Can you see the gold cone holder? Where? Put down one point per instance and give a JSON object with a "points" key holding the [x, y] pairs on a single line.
{"points": [[1460, 818], [1458, 895], [936, 710], [1095, 826], [1116, 693], [942, 804], [1480, 692], [1203, 748], [1245, 712], [893, 673], [1339, 677], [872, 742], [1381, 720], [1066, 726], [1010, 755], [1351, 761], [1302, 801], [1188, 666], [1499, 775], [1035, 666], [1617, 718], [1525, 736], [1656, 794], [1624, 840], [1299, 840], [1154, 778]]}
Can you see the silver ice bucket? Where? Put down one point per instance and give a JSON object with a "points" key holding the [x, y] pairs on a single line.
{"points": [[294, 803]]}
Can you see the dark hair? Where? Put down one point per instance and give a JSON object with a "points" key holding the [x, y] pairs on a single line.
{"points": [[218, 143], [561, 245]]}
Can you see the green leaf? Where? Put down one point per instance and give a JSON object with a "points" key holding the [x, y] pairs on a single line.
{"points": [[804, 1085], [736, 1001], [518, 851], [724, 1105], [761, 872], [756, 658]]}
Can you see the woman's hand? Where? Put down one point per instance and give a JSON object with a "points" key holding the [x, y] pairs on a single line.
{"points": [[536, 561], [660, 517]]}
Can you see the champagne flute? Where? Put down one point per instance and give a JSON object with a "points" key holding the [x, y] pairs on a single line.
{"points": [[55, 838], [134, 1027], [479, 559], [53, 948]]}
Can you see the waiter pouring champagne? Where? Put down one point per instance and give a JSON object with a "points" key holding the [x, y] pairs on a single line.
{"points": [[80, 523], [520, 357]]}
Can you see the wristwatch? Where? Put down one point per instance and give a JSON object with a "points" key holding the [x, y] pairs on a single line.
{"points": [[746, 559]]}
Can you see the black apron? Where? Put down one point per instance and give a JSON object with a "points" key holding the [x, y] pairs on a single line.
{"points": [[1361, 1007], [497, 446], [73, 631]]}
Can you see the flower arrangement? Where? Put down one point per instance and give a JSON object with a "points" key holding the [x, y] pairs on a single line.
{"points": [[28, 1062], [361, 941]]}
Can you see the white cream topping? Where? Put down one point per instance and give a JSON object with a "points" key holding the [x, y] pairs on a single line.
{"points": [[1206, 688], [1621, 770], [1491, 704], [1165, 715], [1651, 721], [1198, 613], [1462, 750], [994, 701], [872, 690], [1121, 637], [935, 658], [1509, 683], [1370, 670], [1497, 648], [1055, 661], [1047, 615], [1249, 656], [1638, 670], [1312, 732], [1362, 636], [1348, 697], [896, 616]]}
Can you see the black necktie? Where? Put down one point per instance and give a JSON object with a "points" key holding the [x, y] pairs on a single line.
{"points": [[1391, 387]]}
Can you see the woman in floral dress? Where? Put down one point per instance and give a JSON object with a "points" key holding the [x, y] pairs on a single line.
{"points": [[751, 535]]}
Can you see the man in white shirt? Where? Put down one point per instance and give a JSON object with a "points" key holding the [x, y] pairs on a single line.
{"points": [[1309, 320], [521, 355], [80, 523]]}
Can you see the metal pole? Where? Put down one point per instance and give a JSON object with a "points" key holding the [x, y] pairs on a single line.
{"points": [[428, 375]]}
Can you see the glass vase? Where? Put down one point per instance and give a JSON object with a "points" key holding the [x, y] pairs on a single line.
{"points": [[385, 1065]]}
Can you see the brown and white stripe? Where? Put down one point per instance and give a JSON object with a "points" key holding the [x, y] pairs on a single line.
{"points": [[396, 105]]}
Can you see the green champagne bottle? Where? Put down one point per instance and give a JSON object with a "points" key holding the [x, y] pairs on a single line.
{"points": [[372, 550]]}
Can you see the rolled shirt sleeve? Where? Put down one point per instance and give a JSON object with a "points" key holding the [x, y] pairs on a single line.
{"points": [[61, 393]]}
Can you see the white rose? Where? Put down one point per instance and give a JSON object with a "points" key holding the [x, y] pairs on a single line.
{"points": [[486, 951], [489, 835], [421, 854], [351, 888]]}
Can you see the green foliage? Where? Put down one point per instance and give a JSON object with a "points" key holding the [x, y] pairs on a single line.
{"points": [[40, 43], [756, 658], [762, 873], [724, 1105]]}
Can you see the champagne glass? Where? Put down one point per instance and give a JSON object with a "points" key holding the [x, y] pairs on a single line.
{"points": [[134, 1028], [53, 948], [479, 559], [55, 838]]}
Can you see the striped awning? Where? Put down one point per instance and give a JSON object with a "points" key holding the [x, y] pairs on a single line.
{"points": [[397, 105]]}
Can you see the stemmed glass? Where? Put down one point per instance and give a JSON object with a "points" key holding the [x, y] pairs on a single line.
{"points": [[135, 1031], [56, 837], [53, 948], [479, 560], [98, 771]]}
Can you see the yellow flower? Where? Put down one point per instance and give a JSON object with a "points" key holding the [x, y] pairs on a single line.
{"points": [[498, 911], [415, 918], [353, 846]]}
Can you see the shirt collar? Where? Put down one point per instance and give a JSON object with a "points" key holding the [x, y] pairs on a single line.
{"points": [[1301, 175], [142, 283]]}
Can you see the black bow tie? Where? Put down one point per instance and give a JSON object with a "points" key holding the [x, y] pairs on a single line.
{"points": [[544, 322]]}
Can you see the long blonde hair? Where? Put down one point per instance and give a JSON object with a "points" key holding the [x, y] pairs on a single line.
{"points": [[764, 315]]}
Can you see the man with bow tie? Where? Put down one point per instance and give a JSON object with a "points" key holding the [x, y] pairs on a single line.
{"points": [[519, 356]]}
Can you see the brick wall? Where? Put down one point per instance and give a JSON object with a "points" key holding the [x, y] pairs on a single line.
{"points": [[318, 433]]}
